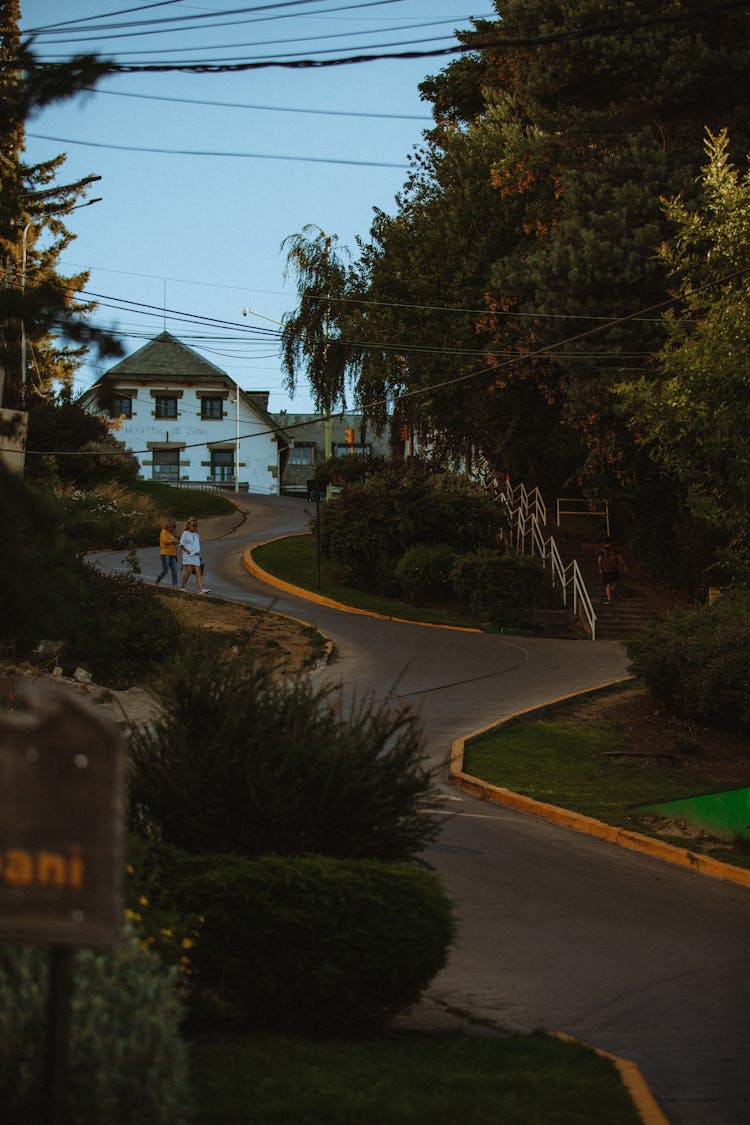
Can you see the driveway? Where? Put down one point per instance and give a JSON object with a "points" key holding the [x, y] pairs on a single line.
{"points": [[557, 930]]}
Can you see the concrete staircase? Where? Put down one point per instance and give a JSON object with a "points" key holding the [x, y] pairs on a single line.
{"points": [[638, 598]]}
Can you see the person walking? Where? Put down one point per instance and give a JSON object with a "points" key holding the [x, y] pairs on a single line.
{"points": [[610, 562], [168, 543], [191, 555]]}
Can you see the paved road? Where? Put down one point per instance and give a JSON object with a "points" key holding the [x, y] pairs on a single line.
{"points": [[557, 930]]}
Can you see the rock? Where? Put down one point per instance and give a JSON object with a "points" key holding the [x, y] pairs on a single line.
{"points": [[81, 676]]}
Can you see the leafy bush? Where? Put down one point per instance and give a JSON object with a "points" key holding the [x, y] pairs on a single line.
{"points": [[107, 515], [243, 762], [127, 1059], [41, 589], [373, 523], [424, 573], [504, 587], [315, 944], [125, 633], [66, 428], [696, 660]]}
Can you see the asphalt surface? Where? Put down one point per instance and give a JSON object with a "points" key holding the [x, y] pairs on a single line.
{"points": [[557, 930]]}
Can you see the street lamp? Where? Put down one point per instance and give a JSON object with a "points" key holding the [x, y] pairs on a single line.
{"points": [[54, 211]]}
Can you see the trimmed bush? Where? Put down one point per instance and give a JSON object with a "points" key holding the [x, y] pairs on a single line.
{"points": [[424, 573], [696, 660], [244, 762], [127, 1059], [372, 524], [313, 944], [503, 587]]}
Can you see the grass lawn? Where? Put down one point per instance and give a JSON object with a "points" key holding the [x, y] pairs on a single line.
{"points": [[414, 1080], [582, 766], [184, 502], [295, 560]]}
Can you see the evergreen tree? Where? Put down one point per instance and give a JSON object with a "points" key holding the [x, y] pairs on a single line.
{"points": [[37, 304]]}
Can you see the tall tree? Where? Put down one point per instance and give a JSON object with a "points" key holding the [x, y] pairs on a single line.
{"points": [[37, 304], [693, 413]]}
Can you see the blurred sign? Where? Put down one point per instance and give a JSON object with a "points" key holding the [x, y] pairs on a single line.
{"points": [[61, 821], [316, 488]]}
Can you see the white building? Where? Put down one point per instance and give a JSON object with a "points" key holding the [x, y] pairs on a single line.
{"points": [[187, 421]]}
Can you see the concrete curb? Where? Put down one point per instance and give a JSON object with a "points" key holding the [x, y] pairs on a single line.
{"points": [[645, 1103], [252, 567], [623, 837]]}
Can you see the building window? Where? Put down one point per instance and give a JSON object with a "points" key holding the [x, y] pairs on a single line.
{"points": [[302, 455], [212, 408], [222, 465], [166, 464], [122, 405], [165, 406]]}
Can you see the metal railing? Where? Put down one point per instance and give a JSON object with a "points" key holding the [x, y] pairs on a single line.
{"points": [[528, 538], [570, 506]]}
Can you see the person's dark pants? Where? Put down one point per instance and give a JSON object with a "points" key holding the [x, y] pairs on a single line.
{"points": [[168, 562]]}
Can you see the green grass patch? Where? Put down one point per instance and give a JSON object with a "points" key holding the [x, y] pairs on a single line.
{"points": [[295, 560], [184, 502], [578, 766], [415, 1080]]}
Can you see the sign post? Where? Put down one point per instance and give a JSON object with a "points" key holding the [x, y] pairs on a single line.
{"points": [[317, 490], [62, 771]]}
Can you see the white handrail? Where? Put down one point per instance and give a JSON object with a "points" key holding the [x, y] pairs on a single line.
{"points": [[527, 537]]}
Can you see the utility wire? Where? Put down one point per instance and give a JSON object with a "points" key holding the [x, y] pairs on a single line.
{"points": [[492, 369], [270, 108], [232, 155]]}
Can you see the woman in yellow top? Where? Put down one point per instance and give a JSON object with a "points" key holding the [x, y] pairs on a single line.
{"points": [[168, 543]]}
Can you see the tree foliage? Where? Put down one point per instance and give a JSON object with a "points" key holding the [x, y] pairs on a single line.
{"points": [[693, 413]]}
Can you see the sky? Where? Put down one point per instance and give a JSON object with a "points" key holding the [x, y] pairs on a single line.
{"points": [[197, 198]]}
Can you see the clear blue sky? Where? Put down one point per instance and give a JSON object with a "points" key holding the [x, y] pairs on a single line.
{"points": [[202, 234]]}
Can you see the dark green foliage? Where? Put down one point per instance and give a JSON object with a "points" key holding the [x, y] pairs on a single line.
{"points": [[314, 944], [121, 632], [697, 660], [88, 452], [127, 1059], [41, 588], [372, 524], [424, 573], [245, 763], [505, 587]]}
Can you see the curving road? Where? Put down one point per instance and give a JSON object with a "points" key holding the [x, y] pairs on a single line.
{"points": [[556, 930]]}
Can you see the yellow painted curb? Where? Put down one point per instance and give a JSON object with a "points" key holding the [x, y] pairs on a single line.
{"points": [[646, 1105], [252, 567], [623, 837]]}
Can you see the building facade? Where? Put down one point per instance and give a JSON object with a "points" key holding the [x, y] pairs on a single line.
{"points": [[188, 422]]}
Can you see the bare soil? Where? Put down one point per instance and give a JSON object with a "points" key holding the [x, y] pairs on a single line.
{"points": [[289, 645], [655, 736]]}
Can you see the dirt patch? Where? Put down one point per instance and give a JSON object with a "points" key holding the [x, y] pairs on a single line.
{"points": [[288, 644], [655, 736]]}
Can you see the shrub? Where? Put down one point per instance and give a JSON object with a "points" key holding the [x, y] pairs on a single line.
{"points": [[246, 763], [107, 515], [504, 587], [696, 660], [424, 573], [125, 632], [41, 588], [315, 944], [373, 523], [127, 1059]]}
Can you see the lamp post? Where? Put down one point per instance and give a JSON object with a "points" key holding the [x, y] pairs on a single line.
{"points": [[26, 229]]}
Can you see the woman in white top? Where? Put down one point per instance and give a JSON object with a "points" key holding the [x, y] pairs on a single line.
{"points": [[191, 555]]}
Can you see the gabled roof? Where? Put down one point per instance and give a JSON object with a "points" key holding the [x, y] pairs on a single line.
{"points": [[166, 355]]}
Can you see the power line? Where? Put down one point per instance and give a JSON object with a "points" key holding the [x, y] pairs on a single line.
{"points": [[270, 108], [230, 155]]}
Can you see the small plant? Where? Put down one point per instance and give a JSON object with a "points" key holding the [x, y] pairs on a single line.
{"points": [[131, 560]]}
